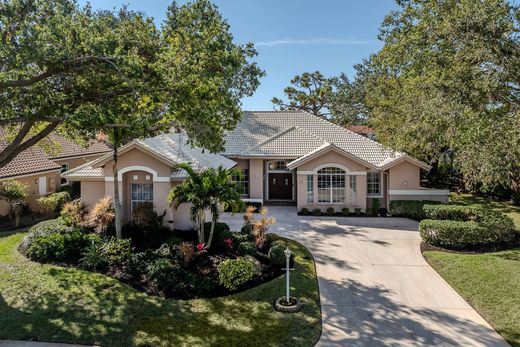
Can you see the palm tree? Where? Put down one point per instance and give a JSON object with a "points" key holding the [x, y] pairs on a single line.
{"points": [[206, 190]]}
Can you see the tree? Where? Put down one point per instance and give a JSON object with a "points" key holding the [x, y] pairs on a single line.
{"points": [[14, 192], [447, 77], [206, 190], [336, 98], [311, 92], [63, 66]]}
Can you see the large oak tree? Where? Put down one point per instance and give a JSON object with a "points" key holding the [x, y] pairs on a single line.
{"points": [[448, 77]]}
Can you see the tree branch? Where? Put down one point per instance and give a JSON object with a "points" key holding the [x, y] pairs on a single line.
{"points": [[10, 152]]}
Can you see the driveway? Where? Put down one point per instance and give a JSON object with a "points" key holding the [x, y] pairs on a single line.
{"points": [[376, 289]]}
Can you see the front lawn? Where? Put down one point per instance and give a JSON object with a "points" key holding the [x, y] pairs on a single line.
{"points": [[51, 303], [497, 205], [490, 282]]}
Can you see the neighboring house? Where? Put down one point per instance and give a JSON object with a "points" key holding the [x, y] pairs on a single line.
{"points": [[41, 171], [286, 156], [364, 130]]}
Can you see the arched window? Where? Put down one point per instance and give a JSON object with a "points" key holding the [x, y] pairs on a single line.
{"points": [[331, 185]]}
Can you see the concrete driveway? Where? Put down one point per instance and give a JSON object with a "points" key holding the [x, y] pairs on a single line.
{"points": [[376, 289]]}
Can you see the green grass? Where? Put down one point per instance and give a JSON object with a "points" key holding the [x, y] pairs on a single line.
{"points": [[502, 206], [489, 282], [56, 304]]}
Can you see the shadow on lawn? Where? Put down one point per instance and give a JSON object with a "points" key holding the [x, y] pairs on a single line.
{"points": [[81, 307]]}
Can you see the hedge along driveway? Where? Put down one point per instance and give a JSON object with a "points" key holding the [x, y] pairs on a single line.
{"points": [[56, 304]]}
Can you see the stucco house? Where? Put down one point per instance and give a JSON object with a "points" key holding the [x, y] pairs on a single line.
{"points": [[41, 171], [288, 157]]}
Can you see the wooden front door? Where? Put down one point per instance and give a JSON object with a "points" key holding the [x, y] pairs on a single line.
{"points": [[280, 186]]}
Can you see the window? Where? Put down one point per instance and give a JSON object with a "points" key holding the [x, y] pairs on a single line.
{"points": [[141, 197], [310, 189], [352, 183], [278, 165], [373, 183], [242, 181], [331, 185]]}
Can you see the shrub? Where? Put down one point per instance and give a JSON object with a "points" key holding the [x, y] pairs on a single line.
{"points": [[45, 228], [54, 202], [330, 211], [246, 248], [117, 252], [316, 212], [358, 211], [376, 204], [93, 257], [410, 208], [345, 211], [58, 247], [161, 273], [233, 273], [186, 252], [276, 253], [101, 215], [457, 234], [220, 233], [74, 212], [451, 212], [305, 211], [138, 262], [14, 192], [272, 238]]}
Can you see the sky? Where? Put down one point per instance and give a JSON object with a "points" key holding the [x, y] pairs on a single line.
{"points": [[291, 36]]}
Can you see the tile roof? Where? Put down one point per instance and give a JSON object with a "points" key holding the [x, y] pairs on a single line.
{"points": [[360, 129], [309, 132], [68, 148], [172, 147], [30, 161]]}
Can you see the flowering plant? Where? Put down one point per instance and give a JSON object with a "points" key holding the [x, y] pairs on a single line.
{"points": [[228, 242], [201, 248]]}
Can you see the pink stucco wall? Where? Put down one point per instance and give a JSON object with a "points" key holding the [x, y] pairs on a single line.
{"points": [[256, 178], [404, 176]]}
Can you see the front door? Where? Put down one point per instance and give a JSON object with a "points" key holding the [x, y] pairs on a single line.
{"points": [[280, 186]]}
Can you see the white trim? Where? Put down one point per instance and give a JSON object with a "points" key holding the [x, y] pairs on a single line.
{"points": [[350, 173], [137, 168], [435, 192], [29, 174]]}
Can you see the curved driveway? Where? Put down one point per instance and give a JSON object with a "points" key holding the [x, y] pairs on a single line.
{"points": [[376, 289]]}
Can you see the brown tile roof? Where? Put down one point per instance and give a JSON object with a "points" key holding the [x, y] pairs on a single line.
{"points": [[360, 129], [30, 161], [70, 149]]}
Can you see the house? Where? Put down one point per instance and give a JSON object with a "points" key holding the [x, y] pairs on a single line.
{"points": [[364, 130], [41, 171], [288, 157]]}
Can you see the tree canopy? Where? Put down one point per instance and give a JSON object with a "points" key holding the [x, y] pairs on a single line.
{"points": [[448, 77], [336, 98], [68, 67]]}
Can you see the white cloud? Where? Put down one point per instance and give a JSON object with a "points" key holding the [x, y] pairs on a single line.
{"points": [[317, 41]]}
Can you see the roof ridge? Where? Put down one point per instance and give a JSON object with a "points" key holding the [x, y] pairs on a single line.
{"points": [[275, 136]]}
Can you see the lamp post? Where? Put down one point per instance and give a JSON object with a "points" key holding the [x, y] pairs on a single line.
{"points": [[287, 253]]}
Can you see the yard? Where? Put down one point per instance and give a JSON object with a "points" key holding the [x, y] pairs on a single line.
{"points": [[490, 282], [57, 304]]}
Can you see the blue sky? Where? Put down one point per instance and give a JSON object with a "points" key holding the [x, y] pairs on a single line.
{"points": [[292, 36]]}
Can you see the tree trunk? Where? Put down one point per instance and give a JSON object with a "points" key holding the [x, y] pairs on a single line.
{"points": [[117, 202], [201, 226], [212, 229]]}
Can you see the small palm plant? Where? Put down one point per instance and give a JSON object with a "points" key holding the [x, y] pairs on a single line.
{"points": [[14, 192], [206, 190]]}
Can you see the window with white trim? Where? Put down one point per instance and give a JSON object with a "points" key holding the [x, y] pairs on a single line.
{"points": [[331, 185], [373, 183], [141, 196], [310, 189], [242, 181], [353, 183]]}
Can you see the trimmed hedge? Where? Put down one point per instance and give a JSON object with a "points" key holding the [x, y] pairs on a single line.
{"points": [[454, 226], [452, 212], [458, 234], [232, 273], [412, 209]]}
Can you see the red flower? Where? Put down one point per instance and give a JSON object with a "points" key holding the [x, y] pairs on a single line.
{"points": [[228, 242], [201, 247]]}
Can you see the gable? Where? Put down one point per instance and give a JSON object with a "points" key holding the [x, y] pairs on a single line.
{"points": [[137, 157]]}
